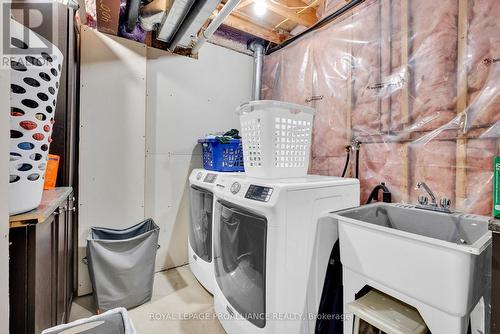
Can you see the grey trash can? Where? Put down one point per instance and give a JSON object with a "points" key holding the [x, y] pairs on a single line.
{"points": [[121, 264]]}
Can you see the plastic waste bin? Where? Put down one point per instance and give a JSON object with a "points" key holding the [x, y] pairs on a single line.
{"points": [[115, 321], [121, 264]]}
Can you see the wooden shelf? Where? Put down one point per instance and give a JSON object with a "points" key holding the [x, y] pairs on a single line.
{"points": [[51, 200]]}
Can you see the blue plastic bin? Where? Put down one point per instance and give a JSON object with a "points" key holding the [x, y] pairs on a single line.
{"points": [[222, 157]]}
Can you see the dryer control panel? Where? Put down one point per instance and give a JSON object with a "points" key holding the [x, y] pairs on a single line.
{"points": [[259, 193], [210, 178]]}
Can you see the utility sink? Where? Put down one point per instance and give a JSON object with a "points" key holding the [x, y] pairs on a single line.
{"points": [[439, 260]]}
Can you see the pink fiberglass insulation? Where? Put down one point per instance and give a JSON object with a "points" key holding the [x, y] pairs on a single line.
{"points": [[271, 69], [330, 82], [328, 165], [291, 86], [483, 56], [434, 163], [433, 62], [480, 153], [353, 71], [380, 162], [366, 75]]}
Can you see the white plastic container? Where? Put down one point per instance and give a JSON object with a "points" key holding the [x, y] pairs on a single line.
{"points": [[276, 138], [387, 314], [34, 87]]}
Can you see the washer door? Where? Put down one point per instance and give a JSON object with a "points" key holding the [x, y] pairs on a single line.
{"points": [[200, 223], [240, 260]]}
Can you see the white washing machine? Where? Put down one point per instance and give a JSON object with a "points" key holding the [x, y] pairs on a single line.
{"points": [[264, 240], [201, 202]]}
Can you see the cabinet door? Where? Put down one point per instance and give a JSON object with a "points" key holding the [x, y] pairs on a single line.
{"points": [[40, 303], [70, 258], [18, 280], [74, 254], [62, 250]]}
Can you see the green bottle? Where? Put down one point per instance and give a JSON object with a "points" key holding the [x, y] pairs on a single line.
{"points": [[496, 188]]}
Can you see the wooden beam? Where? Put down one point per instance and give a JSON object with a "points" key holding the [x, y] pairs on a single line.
{"points": [[462, 92], [405, 100], [243, 4], [350, 90], [386, 54], [405, 50], [306, 18], [240, 24], [337, 5]]}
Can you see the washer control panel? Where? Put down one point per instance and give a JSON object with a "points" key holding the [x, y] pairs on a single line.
{"points": [[210, 178], [259, 193]]}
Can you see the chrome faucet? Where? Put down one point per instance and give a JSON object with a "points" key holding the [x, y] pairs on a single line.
{"points": [[444, 204], [429, 191]]}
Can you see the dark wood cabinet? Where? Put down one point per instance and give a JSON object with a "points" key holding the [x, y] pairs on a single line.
{"points": [[42, 264]]}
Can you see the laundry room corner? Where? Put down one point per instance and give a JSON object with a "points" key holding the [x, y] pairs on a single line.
{"points": [[175, 119], [162, 150], [250, 167]]}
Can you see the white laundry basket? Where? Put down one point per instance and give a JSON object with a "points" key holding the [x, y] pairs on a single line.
{"points": [[34, 87], [276, 138]]}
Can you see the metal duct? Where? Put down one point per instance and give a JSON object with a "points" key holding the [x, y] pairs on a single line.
{"points": [[176, 15], [257, 47], [215, 24], [198, 15]]}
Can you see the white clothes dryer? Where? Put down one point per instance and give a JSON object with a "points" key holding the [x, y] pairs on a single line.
{"points": [[201, 201]]}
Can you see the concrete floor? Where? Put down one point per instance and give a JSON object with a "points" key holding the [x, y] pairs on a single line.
{"points": [[180, 305]]}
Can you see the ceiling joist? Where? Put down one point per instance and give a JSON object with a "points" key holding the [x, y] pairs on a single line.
{"points": [[290, 10], [241, 24], [243, 4], [293, 12]]}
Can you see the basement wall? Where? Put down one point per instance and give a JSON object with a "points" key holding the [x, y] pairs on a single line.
{"points": [[141, 113], [416, 82], [186, 99]]}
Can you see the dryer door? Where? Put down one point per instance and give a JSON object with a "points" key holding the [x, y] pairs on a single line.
{"points": [[240, 260], [200, 224]]}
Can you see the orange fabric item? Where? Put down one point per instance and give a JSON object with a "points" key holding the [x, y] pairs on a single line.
{"points": [[51, 172]]}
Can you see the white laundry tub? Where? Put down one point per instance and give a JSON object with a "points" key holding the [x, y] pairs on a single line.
{"points": [[434, 260]]}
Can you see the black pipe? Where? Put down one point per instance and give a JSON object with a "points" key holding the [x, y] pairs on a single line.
{"points": [[317, 25], [131, 14], [357, 162], [348, 150], [386, 195]]}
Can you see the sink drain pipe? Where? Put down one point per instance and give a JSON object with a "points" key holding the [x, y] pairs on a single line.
{"points": [[257, 47]]}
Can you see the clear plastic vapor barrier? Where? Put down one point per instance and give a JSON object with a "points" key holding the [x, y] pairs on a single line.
{"points": [[415, 83]]}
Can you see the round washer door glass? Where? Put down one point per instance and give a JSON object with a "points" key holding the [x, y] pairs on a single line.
{"points": [[200, 222], [240, 260]]}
